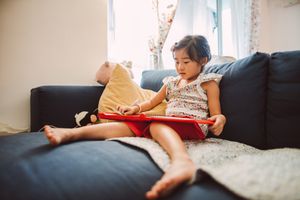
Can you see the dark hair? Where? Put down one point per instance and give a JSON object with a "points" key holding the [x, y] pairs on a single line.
{"points": [[196, 46]]}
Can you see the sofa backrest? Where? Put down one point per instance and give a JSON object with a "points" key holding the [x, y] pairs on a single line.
{"points": [[57, 105], [152, 79], [243, 96], [283, 102]]}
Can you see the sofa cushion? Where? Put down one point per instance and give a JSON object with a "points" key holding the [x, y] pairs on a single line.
{"points": [[85, 170], [243, 98], [58, 104], [152, 79], [283, 110]]}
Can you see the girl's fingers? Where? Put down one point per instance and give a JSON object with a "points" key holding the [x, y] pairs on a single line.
{"points": [[121, 109], [216, 129], [128, 111], [125, 110], [218, 126]]}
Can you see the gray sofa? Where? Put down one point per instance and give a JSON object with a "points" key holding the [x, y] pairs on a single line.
{"points": [[260, 95]]}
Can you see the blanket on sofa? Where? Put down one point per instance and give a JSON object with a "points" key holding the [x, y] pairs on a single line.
{"points": [[245, 170]]}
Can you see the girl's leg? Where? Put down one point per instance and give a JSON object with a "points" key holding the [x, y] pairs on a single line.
{"points": [[98, 132], [181, 169]]}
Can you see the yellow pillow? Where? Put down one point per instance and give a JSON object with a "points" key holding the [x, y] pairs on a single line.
{"points": [[122, 90]]}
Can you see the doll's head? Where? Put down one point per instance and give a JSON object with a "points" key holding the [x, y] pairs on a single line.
{"points": [[104, 72]]}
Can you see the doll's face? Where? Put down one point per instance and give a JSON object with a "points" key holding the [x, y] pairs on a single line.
{"points": [[93, 118], [104, 72]]}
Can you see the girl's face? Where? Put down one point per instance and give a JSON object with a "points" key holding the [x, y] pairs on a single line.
{"points": [[185, 67]]}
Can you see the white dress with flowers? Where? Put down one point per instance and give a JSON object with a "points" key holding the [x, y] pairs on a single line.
{"points": [[190, 100]]}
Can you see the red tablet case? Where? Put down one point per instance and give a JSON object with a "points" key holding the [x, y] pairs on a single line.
{"points": [[193, 129]]}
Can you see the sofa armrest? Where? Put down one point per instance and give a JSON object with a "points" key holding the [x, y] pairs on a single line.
{"points": [[57, 105]]}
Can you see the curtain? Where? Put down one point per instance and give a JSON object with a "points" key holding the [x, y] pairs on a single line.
{"points": [[142, 31], [245, 27], [164, 12], [254, 26], [130, 23], [192, 17], [205, 22]]}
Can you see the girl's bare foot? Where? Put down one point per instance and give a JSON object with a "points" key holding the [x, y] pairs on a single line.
{"points": [[57, 136], [180, 171]]}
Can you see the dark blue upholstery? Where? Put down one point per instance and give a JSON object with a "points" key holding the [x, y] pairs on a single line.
{"points": [[57, 105], [91, 170], [260, 97], [152, 79], [283, 115], [243, 99]]}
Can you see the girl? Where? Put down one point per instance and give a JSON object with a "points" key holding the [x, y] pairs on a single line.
{"points": [[191, 93]]}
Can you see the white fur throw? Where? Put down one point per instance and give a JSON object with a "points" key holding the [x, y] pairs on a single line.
{"points": [[245, 170]]}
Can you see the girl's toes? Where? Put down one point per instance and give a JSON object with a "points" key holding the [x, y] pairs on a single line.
{"points": [[151, 195]]}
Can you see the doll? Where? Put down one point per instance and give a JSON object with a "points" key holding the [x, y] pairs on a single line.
{"points": [[86, 118], [104, 72], [103, 75]]}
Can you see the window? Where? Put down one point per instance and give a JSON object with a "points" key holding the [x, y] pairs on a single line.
{"points": [[192, 17], [132, 22]]}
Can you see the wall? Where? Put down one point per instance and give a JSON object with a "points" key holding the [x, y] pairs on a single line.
{"points": [[280, 26], [46, 42]]}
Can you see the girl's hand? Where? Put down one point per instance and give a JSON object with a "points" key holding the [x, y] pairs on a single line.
{"points": [[128, 110], [218, 126]]}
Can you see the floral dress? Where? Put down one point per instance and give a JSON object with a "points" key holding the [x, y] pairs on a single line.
{"points": [[189, 100]]}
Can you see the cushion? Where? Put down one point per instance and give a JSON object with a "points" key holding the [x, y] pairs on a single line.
{"points": [[243, 98], [89, 170], [122, 90], [219, 60], [152, 79], [58, 104], [104, 73], [283, 114]]}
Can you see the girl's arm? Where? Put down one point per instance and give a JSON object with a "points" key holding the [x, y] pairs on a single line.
{"points": [[154, 101], [146, 105], [214, 106]]}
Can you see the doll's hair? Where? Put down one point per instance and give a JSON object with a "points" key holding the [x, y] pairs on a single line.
{"points": [[196, 46]]}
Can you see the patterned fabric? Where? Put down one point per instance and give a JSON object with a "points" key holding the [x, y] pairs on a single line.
{"points": [[164, 10], [249, 172], [246, 27], [253, 22], [190, 100]]}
